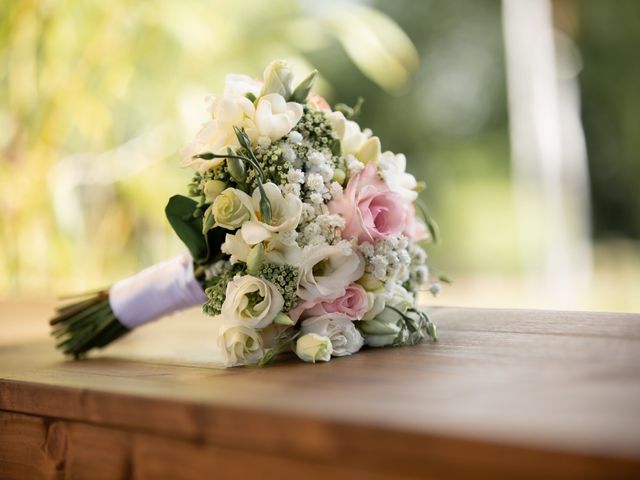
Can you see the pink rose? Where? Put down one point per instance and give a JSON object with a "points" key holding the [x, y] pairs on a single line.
{"points": [[413, 228], [370, 210], [353, 304]]}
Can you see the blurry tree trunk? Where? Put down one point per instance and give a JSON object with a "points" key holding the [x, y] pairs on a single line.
{"points": [[550, 176]]}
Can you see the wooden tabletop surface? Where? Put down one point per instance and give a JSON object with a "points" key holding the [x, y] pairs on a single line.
{"points": [[526, 393]]}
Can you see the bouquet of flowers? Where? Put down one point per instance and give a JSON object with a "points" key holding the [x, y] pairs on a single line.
{"points": [[301, 235]]}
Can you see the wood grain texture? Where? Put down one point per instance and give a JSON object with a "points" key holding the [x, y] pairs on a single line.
{"points": [[518, 393]]}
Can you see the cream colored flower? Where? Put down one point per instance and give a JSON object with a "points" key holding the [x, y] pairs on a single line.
{"points": [[279, 249], [241, 345], [240, 85], [229, 209], [285, 214], [274, 117], [393, 295], [213, 188], [313, 347], [236, 247], [393, 169], [218, 135], [251, 301], [278, 77], [327, 271], [353, 141], [345, 337]]}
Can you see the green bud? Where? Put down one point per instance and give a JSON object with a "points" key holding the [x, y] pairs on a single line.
{"points": [[432, 330], [213, 188], [283, 319], [255, 259], [420, 186], [237, 169], [265, 206], [301, 92], [208, 221], [277, 79], [339, 176]]}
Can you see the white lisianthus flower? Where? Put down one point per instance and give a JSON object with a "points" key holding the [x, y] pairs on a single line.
{"points": [[240, 344], [313, 347], [393, 170], [327, 270], [229, 209], [285, 214], [345, 337], [274, 117], [251, 302], [353, 141], [393, 294], [218, 135]]}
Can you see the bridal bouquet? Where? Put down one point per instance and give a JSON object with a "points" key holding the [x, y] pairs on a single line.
{"points": [[302, 235]]}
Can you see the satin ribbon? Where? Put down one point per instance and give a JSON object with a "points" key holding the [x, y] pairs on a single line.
{"points": [[159, 290]]}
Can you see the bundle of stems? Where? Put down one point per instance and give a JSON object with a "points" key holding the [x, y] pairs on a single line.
{"points": [[86, 322]]}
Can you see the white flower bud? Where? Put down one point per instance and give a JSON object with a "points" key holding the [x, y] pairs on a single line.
{"points": [[313, 347]]}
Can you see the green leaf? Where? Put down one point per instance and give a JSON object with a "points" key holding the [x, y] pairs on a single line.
{"points": [[336, 147], [432, 226], [180, 213]]}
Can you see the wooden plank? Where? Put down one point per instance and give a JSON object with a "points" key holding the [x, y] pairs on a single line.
{"points": [[34, 447], [503, 391], [38, 448]]}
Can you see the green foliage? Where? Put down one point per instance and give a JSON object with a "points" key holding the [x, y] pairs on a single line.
{"points": [[182, 213], [303, 89]]}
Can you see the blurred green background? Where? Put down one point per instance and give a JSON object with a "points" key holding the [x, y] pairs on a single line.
{"points": [[97, 97]]}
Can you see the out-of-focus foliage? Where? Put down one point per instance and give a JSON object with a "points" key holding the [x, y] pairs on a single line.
{"points": [[609, 41], [96, 97]]}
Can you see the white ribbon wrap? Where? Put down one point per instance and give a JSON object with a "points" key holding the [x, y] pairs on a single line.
{"points": [[159, 290]]}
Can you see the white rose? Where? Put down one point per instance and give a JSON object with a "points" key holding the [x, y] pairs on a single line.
{"points": [[229, 209], [345, 337], [393, 170], [327, 270], [274, 117], [251, 302], [352, 140], [285, 214], [241, 345], [313, 347]]}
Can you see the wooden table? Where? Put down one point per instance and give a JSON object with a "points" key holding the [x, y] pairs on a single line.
{"points": [[503, 394]]}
